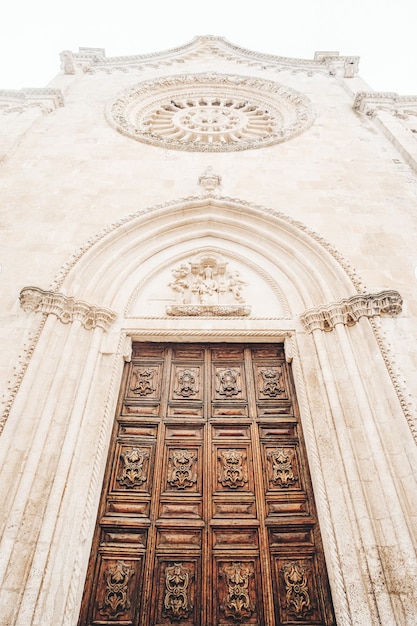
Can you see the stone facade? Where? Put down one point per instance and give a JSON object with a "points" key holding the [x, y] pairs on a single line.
{"points": [[208, 193]]}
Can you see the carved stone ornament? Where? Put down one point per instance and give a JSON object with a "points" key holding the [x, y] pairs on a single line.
{"points": [[181, 474], [94, 60], [142, 382], [116, 599], [296, 589], [45, 100], [133, 474], [209, 180], [282, 471], [369, 102], [350, 310], [177, 605], [210, 112], [237, 604], [204, 286], [66, 309], [232, 473]]}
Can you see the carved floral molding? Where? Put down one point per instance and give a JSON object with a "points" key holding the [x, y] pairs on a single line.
{"points": [[66, 309], [349, 310], [210, 112]]}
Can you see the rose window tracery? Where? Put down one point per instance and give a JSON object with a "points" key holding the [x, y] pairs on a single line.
{"points": [[207, 112]]}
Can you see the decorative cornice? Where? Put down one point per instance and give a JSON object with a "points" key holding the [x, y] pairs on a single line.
{"points": [[66, 309], [92, 60], [199, 310], [348, 66], [349, 310], [370, 101], [47, 100]]}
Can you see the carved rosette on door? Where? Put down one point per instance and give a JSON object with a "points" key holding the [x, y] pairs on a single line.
{"points": [[207, 514]]}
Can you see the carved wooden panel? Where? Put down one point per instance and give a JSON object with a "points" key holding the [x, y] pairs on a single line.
{"points": [[144, 382], [183, 470], [207, 514], [228, 383], [177, 589], [186, 382], [238, 591], [298, 592], [117, 584]]}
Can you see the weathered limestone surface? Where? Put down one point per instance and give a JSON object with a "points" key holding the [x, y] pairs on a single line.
{"points": [[95, 222]]}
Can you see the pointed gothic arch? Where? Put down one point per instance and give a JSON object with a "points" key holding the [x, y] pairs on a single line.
{"points": [[86, 362]]}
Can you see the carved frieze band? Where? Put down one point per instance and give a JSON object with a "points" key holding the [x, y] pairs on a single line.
{"points": [[369, 102], [16, 101], [66, 309], [349, 310]]}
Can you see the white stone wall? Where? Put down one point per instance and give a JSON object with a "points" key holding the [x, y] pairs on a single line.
{"points": [[315, 220]]}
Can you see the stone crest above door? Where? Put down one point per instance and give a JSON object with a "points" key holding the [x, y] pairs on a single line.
{"points": [[207, 284]]}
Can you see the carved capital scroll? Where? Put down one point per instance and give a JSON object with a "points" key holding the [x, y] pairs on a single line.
{"points": [[66, 309], [349, 310]]}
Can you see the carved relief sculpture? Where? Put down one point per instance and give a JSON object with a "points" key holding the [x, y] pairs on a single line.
{"points": [[143, 382], [186, 383], [282, 471], [296, 589], [181, 473], [270, 379], [232, 473], [133, 474], [177, 605], [237, 604], [116, 599], [203, 286], [228, 383]]}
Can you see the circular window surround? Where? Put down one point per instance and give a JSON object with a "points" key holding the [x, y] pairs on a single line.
{"points": [[210, 113]]}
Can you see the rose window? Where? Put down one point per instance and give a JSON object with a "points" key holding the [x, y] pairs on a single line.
{"points": [[210, 113]]}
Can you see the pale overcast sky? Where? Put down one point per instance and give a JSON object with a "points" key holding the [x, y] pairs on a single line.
{"points": [[382, 32]]}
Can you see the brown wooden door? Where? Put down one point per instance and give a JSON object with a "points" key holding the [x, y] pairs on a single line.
{"points": [[207, 514]]}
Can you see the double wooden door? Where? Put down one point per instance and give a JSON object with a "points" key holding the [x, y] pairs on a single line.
{"points": [[207, 514]]}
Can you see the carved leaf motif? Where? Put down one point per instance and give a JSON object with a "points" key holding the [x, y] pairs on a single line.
{"points": [[181, 474], [296, 588], [177, 605], [116, 599], [237, 603], [228, 383], [282, 471], [232, 473], [133, 474]]}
